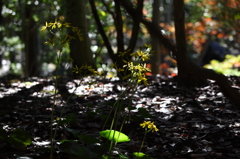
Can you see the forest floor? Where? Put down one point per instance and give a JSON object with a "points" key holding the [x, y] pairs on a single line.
{"points": [[193, 123]]}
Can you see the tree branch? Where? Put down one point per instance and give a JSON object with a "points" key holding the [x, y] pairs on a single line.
{"points": [[101, 30], [135, 28]]}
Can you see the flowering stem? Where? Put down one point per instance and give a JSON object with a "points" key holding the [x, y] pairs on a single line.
{"points": [[145, 134]]}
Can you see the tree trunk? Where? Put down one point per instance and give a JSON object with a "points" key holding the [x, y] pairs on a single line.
{"points": [[80, 51], [155, 59], [181, 56], [1, 34], [30, 41]]}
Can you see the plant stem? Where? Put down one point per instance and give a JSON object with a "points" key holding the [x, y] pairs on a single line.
{"points": [[53, 105], [145, 134]]}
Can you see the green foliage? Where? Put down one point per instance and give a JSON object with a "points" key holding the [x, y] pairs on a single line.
{"points": [[16, 16], [94, 147], [140, 155], [114, 136], [18, 138], [226, 67]]}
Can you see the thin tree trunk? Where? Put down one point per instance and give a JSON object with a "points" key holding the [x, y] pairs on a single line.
{"points": [[155, 59], [29, 38], [1, 34], [182, 56], [80, 51]]}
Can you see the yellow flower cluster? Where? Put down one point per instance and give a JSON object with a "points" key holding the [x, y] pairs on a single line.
{"points": [[143, 55], [138, 72], [78, 70], [65, 39], [135, 65], [150, 125]]}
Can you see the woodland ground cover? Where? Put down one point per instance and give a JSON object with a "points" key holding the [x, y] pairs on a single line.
{"points": [[192, 123], [67, 116]]}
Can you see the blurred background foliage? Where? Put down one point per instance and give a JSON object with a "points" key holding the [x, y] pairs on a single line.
{"points": [[212, 28], [229, 67]]}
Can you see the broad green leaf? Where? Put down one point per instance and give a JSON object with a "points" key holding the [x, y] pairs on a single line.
{"points": [[74, 132], [114, 135], [88, 139], [107, 157], [121, 156], [20, 137], [103, 13], [140, 155]]}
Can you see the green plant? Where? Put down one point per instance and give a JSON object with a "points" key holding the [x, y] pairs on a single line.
{"points": [[60, 38], [19, 138], [94, 147], [229, 67]]}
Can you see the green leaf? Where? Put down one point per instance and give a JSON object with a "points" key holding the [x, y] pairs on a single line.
{"points": [[121, 156], [107, 157], [102, 13], [144, 113], [89, 140], [114, 135], [74, 132], [20, 137], [140, 155]]}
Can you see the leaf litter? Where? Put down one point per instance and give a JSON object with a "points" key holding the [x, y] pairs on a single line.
{"points": [[193, 123]]}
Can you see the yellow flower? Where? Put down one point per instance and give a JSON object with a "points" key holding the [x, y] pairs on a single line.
{"points": [[123, 53], [145, 124], [76, 69], [148, 45], [145, 57], [59, 24], [66, 24], [44, 27], [142, 78], [149, 125], [55, 24]]}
